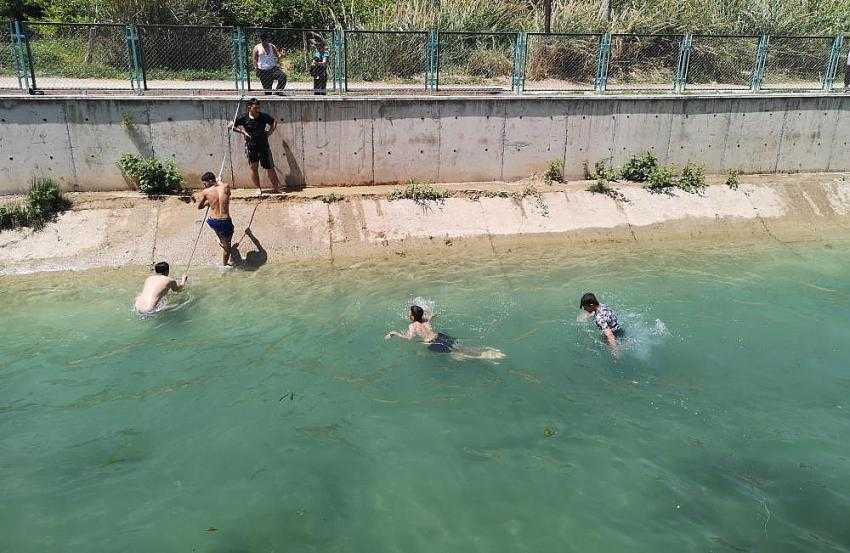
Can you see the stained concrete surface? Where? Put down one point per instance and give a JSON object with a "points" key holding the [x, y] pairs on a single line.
{"points": [[117, 229], [367, 140]]}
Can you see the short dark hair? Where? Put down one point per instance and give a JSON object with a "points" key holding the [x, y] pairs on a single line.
{"points": [[208, 177], [265, 37], [161, 268], [253, 102], [588, 300], [418, 313]]}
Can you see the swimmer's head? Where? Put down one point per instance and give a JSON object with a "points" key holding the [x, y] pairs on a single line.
{"points": [[589, 302], [417, 314], [161, 268], [208, 179]]}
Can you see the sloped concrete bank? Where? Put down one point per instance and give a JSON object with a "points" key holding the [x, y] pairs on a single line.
{"points": [[109, 230], [368, 140]]}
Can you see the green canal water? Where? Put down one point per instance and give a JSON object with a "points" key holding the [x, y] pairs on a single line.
{"points": [[267, 413]]}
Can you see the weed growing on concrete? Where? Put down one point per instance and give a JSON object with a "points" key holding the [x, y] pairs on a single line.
{"points": [[478, 194], [692, 178], [660, 179], [128, 121], [602, 171], [150, 175], [601, 186], [41, 205], [539, 202], [419, 193], [732, 179], [555, 171], [331, 198], [639, 168]]}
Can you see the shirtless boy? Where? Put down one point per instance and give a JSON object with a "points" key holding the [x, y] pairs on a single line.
{"points": [[156, 287], [216, 195]]}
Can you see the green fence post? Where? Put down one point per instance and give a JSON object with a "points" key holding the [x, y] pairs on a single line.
{"points": [[239, 55], [759, 65], [833, 62], [21, 53], [685, 47], [432, 60], [520, 50], [340, 71], [134, 58], [602, 58]]}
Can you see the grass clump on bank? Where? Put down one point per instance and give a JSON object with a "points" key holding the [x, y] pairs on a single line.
{"points": [[419, 193], [43, 202], [555, 171], [331, 198], [150, 175], [732, 180]]}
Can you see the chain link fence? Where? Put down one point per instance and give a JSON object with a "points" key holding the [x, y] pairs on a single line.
{"points": [[643, 62], [842, 76], [561, 62], [796, 63], [720, 62], [66, 56], [475, 61], [181, 57], [376, 60], [78, 56], [8, 72]]}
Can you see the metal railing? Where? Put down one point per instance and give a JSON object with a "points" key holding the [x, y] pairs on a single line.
{"points": [[41, 56]]}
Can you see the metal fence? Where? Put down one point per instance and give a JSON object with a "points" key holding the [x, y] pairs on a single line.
{"points": [[40, 56]]}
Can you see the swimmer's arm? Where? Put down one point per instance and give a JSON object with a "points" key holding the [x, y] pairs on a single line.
{"points": [[407, 335], [175, 286]]}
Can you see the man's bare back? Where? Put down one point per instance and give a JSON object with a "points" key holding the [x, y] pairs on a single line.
{"points": [[218, 199], [155, 288]]}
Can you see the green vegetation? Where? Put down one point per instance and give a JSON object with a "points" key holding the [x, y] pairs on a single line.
{"points": [[150, 175], [41, 205], [692, 178], [661, 178], [603, 172], [639, 168], [539, 202], [419, 193], [732, 179], [331, 198], [555, 171]]}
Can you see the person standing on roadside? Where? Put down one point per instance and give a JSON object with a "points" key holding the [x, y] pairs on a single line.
{"points": [[319, 68], [266, 58], [257, 127]]}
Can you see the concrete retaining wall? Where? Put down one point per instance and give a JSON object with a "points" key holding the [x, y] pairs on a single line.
{"points": [[369, 140]]}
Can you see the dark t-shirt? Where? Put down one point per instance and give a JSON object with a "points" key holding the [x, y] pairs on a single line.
{"points": [[256, 128]]}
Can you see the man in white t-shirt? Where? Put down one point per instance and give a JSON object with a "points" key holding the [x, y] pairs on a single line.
{"points": [[266, 58]]}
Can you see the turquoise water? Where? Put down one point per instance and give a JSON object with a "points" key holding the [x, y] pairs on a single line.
{"points": [[267, 413]]}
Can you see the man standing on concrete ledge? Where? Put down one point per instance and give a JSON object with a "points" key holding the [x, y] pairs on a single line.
{"points": [[257, 127], [216, 196]]}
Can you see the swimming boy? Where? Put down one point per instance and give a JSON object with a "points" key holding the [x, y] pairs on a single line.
{"points": [[156, 287], [604, 318], [420, 327], [216, 195]]}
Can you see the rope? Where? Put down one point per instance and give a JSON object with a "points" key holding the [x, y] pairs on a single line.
{"points": [[226, 156]]}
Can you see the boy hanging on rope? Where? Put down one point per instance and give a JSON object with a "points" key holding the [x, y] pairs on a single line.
{"points": [[216, 195]]}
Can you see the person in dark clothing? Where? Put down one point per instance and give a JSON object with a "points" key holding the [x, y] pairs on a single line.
{"points": [[319, 68], [257, 127]]}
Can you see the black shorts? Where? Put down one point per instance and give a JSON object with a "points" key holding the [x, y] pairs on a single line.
{"points": [[261, 154]]}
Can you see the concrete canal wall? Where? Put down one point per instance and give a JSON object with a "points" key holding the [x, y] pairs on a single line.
{"points": [[354, 141]]}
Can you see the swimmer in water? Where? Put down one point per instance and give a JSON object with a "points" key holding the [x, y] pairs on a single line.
{"points": [[604, 318], [420, 327], [156, 287]]}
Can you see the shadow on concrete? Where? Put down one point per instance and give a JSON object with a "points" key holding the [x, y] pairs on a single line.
{"points": [[295, 179], [254, 259]]}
